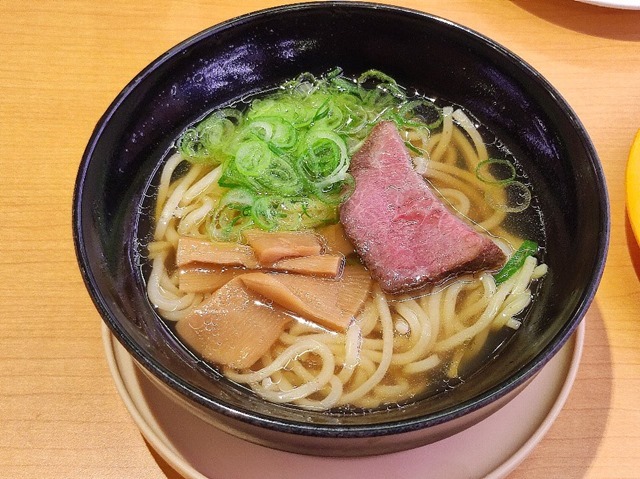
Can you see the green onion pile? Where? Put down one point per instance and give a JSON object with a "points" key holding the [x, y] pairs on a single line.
{"points": [[285, 156]]}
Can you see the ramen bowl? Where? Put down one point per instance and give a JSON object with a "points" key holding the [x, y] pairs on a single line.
{"points": [[255, 52]]}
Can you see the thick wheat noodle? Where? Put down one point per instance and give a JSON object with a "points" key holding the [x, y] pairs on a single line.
{"points": [[454, 363], [181, 211], [539, 271], [450, 299], [466, 152], [466, 124], [174, 199], [433, 308], [494, 305], [451, 156], [433, 141], [368, 318], [410, 318], [169, 283], [477, 344], [360, 375], [467, 178], [461, 312], [352, 348], [293, 351], [457, 199], [171, 234], [445, 135], [419, 350], [203, 184], [387, 351], [296, 368], [513, 306], [485, 319], [318, 370], [158, 247], [179, 314], [162, 298], [195, 217], [470, 191], [165, 180], [372, 355], [329, 401], [472, 157], [367, 367], [473, 309], [279, 379], [443, 173], [472, 153], [523, 276], [430, 362]]}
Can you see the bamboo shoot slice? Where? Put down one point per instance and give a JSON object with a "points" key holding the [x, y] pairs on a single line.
{"points": [[336, 239], [270, 247], [191, 250], [356, 286], [203, 278], [233, 328], [329, 303], [327, 265]]}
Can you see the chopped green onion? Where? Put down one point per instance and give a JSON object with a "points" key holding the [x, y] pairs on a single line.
{"points": [[325, 160], [487, 170], [232, 215], [526, 249], [264, 212], [253, 158], [415, 149], [517, 197], [205, 143], [288, 152], [376, 75], [385, 83], [426, 110], [280, 177], [272, 129], [347, 86]]}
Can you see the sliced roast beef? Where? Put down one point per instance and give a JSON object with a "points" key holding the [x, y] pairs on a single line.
{"points": [[404, 234]]}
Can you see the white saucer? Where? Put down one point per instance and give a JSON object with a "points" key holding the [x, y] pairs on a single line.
{"points": [[491, 449], [623, 4]]}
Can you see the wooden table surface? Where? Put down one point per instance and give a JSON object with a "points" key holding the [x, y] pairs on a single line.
{"points": [[61, 64]]}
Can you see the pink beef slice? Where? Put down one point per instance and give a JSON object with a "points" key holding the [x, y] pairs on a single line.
{"points": [[405, 235]]}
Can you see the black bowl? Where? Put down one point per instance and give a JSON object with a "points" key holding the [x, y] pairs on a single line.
{"points": [[257, 51]]}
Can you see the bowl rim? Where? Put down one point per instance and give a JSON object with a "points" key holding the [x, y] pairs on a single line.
{"points": [[525, 373]]}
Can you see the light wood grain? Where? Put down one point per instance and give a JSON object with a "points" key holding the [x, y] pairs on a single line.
{"points": [[61, 64]]}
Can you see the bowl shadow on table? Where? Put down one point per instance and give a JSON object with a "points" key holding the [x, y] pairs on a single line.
{"points": [[573, 441], [632, 244], [617, 24], [168, 471]]}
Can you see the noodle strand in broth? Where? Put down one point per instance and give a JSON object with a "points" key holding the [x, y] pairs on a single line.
{"points": [[396, 348]]}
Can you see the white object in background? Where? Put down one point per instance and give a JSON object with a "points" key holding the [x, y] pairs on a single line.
{"points": [[624, 4]]}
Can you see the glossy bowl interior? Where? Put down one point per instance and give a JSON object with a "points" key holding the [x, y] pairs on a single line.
{"points": [[254, 52]]}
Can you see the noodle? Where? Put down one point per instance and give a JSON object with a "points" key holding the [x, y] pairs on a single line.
{"points": [[387, 351], [395, 346], [445, 136]]}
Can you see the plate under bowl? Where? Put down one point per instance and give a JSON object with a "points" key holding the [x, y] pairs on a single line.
{"points": [[252, 53]]}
